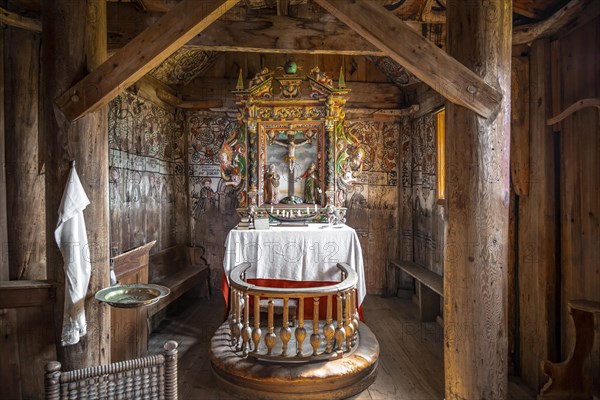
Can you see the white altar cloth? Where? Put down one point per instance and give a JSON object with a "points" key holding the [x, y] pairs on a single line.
{"points": [[297, 253]]}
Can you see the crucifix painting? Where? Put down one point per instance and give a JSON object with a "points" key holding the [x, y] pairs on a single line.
{"points": [[291, 173]]}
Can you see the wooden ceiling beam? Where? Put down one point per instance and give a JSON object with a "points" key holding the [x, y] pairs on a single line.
{"points": [[418, 55], [279, 34], [138, 57], [385, 113], [528, 11], [362, 95], [258, 34], [575, 9], [189, 105], [18, 21], [147, 88]]}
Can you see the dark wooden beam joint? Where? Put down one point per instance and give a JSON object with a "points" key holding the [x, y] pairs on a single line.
{"points": [[138, 57], [18, 21], [421, 57], [574, 10]]}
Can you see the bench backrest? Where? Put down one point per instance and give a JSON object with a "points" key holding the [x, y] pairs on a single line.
{"points": [[170, 260]]}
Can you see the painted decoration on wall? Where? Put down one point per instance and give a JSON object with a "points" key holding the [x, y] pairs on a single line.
{"points": [[396, 72], [146, 174], [216, 164], [425, 234], [183, 66]]}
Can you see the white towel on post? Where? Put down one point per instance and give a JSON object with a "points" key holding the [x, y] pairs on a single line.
{"points": [[71, 238]]}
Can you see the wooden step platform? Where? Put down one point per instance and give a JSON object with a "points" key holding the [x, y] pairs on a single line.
{"points": [[337, 379]]}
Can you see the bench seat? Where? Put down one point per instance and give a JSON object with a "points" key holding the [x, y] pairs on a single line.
{"points": [[180, 268], [428, 285]]}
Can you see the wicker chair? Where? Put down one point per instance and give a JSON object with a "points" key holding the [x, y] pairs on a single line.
{"points": [[152, 377]]}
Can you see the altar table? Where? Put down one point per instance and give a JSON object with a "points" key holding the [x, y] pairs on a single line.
{"points": [[295, 255]]}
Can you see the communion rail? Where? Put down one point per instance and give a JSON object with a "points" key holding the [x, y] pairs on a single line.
{"points": [[329, 339]]}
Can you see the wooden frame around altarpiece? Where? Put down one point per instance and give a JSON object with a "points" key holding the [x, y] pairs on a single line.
{"points": [[321, 108]]}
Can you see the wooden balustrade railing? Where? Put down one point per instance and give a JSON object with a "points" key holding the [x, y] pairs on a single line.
{"points": [[330, 339]]}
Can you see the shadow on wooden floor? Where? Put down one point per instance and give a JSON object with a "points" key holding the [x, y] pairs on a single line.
{"points": [[411, 359]]}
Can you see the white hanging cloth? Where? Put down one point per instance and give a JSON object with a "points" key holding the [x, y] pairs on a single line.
{"points": [[72, 240]]}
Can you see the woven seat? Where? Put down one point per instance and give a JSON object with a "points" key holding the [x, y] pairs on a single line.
{"points": [[152, 377]]}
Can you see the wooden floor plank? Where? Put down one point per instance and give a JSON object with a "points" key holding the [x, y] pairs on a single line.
{"points": [[410, 366]]}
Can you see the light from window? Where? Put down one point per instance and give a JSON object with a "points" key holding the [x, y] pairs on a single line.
{"points": [[440, 127]]}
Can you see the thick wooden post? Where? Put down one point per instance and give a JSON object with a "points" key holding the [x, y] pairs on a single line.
{"points": [[477, 170], [25, 182], [4, 270], [73, 43]]}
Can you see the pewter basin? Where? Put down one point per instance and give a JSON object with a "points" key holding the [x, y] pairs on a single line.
{"points": [[133, 295]]}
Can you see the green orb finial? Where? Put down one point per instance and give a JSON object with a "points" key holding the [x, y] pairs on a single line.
{"points": [[290, 67]]}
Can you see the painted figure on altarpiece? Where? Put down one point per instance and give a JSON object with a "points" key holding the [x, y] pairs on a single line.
{"points": [[312, 191], [272, 178]]}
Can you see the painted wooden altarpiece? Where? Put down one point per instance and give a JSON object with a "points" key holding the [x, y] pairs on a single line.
{"points": [[291, 146]]}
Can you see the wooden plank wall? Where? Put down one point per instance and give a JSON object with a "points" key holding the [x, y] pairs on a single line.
{"points": [[579, 73], [557, 219], [24, 161], [536, 221], [26, 337]]}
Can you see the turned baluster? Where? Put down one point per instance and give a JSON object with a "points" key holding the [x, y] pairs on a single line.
{"points": [[354, 317], [285, 333], [239, 326], [246, 331], [315, 338], [236, 317], [232, 316], [340, 333], [256, 332], [300, 331], [270, 338], [348, 321], [328, 329]]}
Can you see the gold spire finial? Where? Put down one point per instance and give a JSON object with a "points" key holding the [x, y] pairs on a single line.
{"points": [[240, 81], [341, 81]]}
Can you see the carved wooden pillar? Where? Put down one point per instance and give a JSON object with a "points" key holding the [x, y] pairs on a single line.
{"points": [[25, 182], [476, 251], [330, 165], [252, 132], [74, 43], [330, 125]]}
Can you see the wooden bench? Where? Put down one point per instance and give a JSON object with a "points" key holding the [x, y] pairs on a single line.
{"points": [[180, 268], [428, 285]]}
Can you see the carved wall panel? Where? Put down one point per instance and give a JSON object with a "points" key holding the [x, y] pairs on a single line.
{"points": [[427, 218], [146, 175]]}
